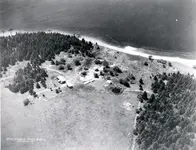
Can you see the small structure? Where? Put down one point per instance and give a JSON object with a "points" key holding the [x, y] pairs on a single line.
{"points": [[109, 82], [61, 79], [69, 85]]}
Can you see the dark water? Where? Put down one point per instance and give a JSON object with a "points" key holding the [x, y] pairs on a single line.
{"points": [[160, 24]]}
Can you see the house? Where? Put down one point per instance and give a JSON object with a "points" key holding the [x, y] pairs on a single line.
{"points": [[61, 79]]}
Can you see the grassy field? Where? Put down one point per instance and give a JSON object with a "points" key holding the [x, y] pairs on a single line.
{"points": [[86, 117], [82, 118]]}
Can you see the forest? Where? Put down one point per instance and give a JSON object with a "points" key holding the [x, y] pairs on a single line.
{"points": [[36, 48], [29, 46], [168, 119]]}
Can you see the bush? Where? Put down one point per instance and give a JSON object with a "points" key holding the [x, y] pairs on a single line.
{"points": [[84, 73], [57, 63], [145, 96], [97, 62], [96, 75], [61, 67], [38, 86], [106, 70], [111, 73], [116, 90], [146, 64], [62, 61], [141, 88], [101, 73], [170, 64], [26, 102], [57, 91], [69, 67], [52, 62], [117, 69], [87, 62], [77, 62], [96, 69], [141, 81], [105, 64], [124, 82]]}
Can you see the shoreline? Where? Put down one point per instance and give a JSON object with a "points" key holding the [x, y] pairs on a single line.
{"points": [[127, 49]]}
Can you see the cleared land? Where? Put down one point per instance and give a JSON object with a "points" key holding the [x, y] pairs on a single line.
{"points": [[85, 117]]}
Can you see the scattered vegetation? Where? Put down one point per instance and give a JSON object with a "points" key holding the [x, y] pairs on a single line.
{"points": [[39, 47], [124, 82], [117, 69]]}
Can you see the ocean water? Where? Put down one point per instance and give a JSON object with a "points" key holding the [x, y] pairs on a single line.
{"points": [[161, 26]]}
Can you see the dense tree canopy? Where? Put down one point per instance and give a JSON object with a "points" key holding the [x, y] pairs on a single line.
{"points": [[38, 47], [168, 120]]}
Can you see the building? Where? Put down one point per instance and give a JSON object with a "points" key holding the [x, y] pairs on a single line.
{"points": [[61, 79]]}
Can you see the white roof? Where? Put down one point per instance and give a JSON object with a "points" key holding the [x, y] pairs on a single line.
{"points": [[61, 78]]}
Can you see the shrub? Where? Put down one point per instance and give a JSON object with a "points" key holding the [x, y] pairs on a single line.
{"points": [[105, 64], [111, 73], [108, 78], [141, 88], [87, 62], [124, 82], [61, 67], [85, 68], [97, 62], [96, 75], [52, 62], [116, 90], [101, 73], [96, 69], [145, 96], [62, 61], [170, 64], [84, 73], [146, 64], [77, 62], [57, 91], [57, 63], [69, 67], [26, 102], [38, 86], [117, 69], [106, 70], [141, 81]]}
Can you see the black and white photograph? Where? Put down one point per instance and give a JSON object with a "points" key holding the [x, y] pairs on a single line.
{"points": [[98, 74]]}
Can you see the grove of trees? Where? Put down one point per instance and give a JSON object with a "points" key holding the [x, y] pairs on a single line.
{"points": [[168, 119]]}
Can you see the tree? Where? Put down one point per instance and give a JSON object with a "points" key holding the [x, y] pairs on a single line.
{"points": [[61, 67], [141, 81], [105, 64], [77, 62], [96, 75], [141, 88], [152, 98], [145, 96], [38, 86], [117, 69]]}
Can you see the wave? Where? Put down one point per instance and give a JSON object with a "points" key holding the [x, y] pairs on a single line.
{"points": [[128, 49]]}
